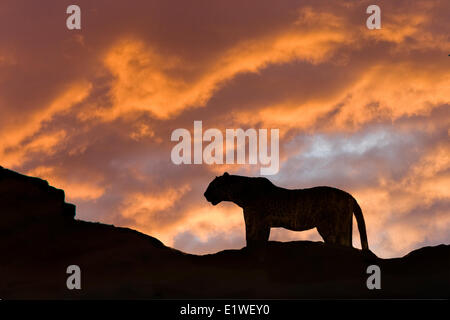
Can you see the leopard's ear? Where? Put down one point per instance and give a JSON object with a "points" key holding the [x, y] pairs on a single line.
{"points": [[226, 174]]}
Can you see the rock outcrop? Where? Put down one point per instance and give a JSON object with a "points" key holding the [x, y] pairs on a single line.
{"points": [[39, 239]]}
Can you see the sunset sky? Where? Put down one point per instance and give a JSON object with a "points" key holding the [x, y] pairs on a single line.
{"points": [[366, 111]]}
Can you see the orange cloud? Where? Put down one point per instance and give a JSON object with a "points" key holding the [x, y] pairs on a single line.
{"points": [[383, 92], [146, 80], [20, 135], [142, 208], [75, 189], [425, 183], [204, 221]]}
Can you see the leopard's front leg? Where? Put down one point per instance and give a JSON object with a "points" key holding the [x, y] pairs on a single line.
{"points": [[257, 231]]}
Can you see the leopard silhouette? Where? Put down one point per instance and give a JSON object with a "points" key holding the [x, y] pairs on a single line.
{"points": [[266, 206]]}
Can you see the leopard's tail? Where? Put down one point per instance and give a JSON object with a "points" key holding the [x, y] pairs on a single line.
{"points": [[361, 225]]}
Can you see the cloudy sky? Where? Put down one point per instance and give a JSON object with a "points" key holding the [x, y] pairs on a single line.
{"points": [[367, 111]]}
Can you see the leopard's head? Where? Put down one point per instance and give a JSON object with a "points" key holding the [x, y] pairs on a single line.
{"points": [[218, 190]]}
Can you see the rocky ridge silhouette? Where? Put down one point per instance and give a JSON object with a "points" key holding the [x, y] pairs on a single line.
{"points": [[40, 238]]}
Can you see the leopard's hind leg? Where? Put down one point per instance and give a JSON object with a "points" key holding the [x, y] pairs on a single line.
{"points": [[344, 230], [337, 231], [327, 233]]}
